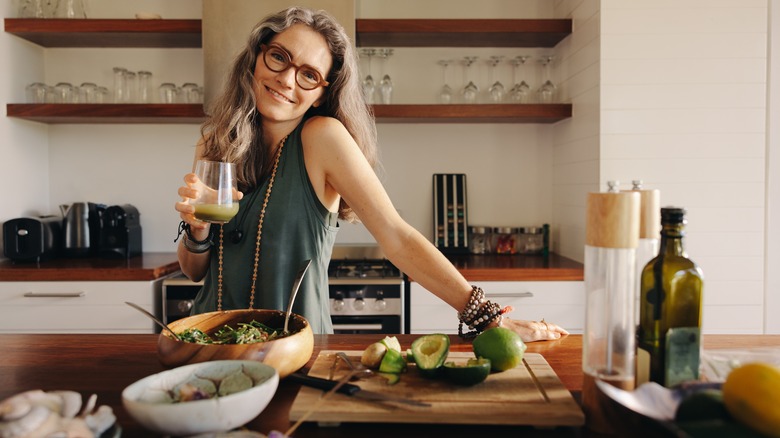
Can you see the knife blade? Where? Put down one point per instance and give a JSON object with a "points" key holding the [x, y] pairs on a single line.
{"points": [[352, 390]]}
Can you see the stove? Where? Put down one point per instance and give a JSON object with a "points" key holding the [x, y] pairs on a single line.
{"points": [[366, 291]]}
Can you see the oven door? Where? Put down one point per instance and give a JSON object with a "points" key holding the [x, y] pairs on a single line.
{"points": [[370, 324]]}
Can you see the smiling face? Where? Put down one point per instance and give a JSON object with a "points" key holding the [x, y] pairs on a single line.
{"points": [[279, 98]]}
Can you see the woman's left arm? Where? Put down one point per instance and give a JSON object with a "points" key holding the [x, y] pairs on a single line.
{"points": [[342, 166]]}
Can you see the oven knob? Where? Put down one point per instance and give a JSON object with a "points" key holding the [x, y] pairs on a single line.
{"points": [[338, 302], [184, 306], [380, 303], [359, 303]]}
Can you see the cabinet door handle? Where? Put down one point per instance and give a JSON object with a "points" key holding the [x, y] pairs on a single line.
{"points": [[512, 295], [357, 326], [54, 294]]}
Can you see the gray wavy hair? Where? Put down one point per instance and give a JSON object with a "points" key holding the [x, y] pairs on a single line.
{"points": [[233, 133]]}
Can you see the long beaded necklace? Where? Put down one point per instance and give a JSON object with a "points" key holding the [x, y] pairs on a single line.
{"points": [[257, 242]]}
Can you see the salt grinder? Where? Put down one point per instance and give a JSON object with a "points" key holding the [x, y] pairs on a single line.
{"points": [[608, 347]]}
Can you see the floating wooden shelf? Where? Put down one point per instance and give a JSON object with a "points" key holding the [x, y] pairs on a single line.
{"points": [[370, 32], [56, 113], [462, 32], [193, 113], [107, 32], [487, 113]]}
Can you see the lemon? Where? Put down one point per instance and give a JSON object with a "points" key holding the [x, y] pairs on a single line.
{"points": [[751, 394], [472, 372], [502, 346]]}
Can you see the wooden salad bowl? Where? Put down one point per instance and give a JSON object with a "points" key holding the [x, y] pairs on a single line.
{"points": [[286, 355]]}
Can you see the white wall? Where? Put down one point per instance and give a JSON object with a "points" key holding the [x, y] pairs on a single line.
{"points": [[683, 105]]}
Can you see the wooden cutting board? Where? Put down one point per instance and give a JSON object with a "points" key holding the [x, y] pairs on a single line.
{"points": [[530, 394]]}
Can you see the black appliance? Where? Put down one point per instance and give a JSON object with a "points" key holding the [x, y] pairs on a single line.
{"points": [[120, 234], [366, 291], [30, 239]]}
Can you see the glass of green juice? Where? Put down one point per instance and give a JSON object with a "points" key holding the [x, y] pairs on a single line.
{"points": [[216, 202]]}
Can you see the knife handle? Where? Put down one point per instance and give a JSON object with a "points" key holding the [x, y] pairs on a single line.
{"points": [[324, 384]]}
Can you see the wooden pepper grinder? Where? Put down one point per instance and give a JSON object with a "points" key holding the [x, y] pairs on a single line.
{"points": [[608, 347]]}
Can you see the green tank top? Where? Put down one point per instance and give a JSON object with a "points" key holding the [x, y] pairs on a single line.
{"points": [[296, 227]]}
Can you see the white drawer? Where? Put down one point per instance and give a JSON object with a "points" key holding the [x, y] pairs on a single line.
{"points": [[561, 302], [76, 307]]}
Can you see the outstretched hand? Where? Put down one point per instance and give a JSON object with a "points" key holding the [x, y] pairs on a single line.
{"points": [[531, 331]]}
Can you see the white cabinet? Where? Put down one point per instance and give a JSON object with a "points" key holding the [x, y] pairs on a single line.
{"points": [[560, 302], [77, 306]]}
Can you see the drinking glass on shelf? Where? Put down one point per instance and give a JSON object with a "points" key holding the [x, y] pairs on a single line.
{"points": [[547, 90], [102, 95], [216, 188], [445, 95], [496, 89], [386, 84], [471, 89], [88, 92], [167, 92], [73, 9], [63, 92], [144, 86], [131, 86], [36, 92], [368, 83], [119, 84], [520, 91]]}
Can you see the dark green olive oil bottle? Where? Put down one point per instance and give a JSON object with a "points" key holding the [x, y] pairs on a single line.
{"points": [[670, 309]]}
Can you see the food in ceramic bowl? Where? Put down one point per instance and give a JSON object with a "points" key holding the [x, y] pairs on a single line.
{"points": [[204, 397], [286, 353]]}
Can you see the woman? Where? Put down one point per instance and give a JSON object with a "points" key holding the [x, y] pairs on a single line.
{"points": [[295, 122]]}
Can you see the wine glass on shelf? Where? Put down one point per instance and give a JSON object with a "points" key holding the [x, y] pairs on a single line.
{"points": [[547, 90], [520, 91], [369, 86], [216, 201], [496, 89], [386, 84], [471, 89], [445, 95]]}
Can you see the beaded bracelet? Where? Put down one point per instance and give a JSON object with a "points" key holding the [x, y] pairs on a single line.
{"points": [[478, 314]]}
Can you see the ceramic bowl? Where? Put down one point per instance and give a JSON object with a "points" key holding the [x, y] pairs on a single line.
{"points": [[172, 402], [286, 355]]}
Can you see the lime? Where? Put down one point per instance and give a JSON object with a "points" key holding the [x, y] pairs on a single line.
{"points": [[392, 362], [703, 405], [430, 351], [502, 346], [473, 372]]}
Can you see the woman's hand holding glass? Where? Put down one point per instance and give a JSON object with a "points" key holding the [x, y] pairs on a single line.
{"points": [[209, 195]]}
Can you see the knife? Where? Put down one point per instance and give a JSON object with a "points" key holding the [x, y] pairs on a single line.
{"points": [[351, 390]]}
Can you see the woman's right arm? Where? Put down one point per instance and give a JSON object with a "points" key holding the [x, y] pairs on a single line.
{"points": [[193, 264]]}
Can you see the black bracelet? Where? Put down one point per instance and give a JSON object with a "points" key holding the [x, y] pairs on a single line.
{"points": [[194, 245]]}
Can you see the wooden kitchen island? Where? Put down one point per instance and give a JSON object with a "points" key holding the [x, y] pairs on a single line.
{"points": [[106, 364]]}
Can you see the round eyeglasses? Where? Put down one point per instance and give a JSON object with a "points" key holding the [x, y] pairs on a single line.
{"points": [[278, 60]]}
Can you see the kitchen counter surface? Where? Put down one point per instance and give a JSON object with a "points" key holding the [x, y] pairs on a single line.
{"points": [[499, 267], [146, 267], [106, 364], [151, 266]]}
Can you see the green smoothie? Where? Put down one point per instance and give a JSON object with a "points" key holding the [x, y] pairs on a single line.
{"points": [[216, 213]]}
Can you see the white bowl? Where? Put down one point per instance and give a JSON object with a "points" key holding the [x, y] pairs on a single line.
{"points": [[246, 388]]}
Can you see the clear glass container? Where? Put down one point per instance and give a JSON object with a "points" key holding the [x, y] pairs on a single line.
{"points": [[504, 240], [530, 240], [119, 84], [131, 87], [144, 86], [36, 92], [63, 93], [479, 240], [167, 93], [88, 92]]}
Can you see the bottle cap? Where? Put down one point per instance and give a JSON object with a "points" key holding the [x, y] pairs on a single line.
{"points": [[673, 215]]}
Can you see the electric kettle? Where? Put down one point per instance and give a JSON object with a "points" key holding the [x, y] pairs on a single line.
{"points": [[80, 228]]}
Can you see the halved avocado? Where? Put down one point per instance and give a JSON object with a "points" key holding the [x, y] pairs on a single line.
{"points": [[430, 352], [472, 372]]}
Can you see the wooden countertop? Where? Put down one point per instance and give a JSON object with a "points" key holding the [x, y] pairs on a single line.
{"points": [[499, 267], [106, 364], [151, 266], [146, 267]]}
